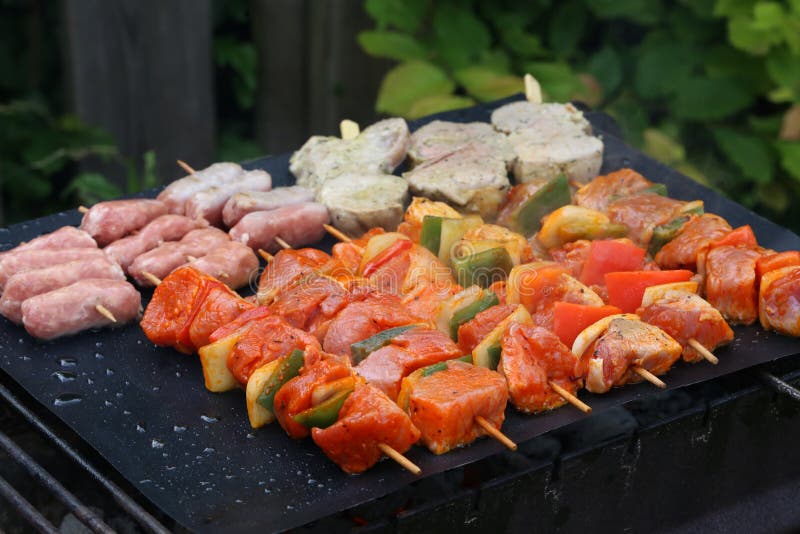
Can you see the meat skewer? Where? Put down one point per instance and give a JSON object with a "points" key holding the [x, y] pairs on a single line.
{"points": [[151, 320]]}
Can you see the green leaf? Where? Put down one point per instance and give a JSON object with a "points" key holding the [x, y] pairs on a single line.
{"points": [[486, 85], [438, 103], [732, 8], [241, 57], [459, 35], [391, 45], [405, 15], [644, 12], [774, 196], [790, 157], [496, 60], [559, 83], [662, 147], [606, 67], [90, 188], [710, 99], [745, 36], [765, 125], [525, 45], [784, 69], [662, 67], [566, 27], [408, 82], [749, 153], [724, 61]]}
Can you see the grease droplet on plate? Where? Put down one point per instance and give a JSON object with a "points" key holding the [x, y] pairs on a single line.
{"points": [[65, 399]]}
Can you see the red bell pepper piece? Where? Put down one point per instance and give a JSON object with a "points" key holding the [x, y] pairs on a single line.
{"points": [[626, 289], [771, 262], [387, 254], [738, 237], [571, 319], [610, 256]]}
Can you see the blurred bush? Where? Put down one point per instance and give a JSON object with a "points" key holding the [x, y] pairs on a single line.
{"points": [[711, 87]]}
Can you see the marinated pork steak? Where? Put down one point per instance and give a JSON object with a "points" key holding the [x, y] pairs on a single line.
{"points": [[440, 138], [548, 140], [358, 202], [380, 148], [471, 179]]}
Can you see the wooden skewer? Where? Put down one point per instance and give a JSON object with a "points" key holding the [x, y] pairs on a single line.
{"points": [[338, 234], [704, 352], [495, 432], [570, 398], [152, 278], [186, 167], [650, 377], [399, 458], [83, 209], [266, 255], [349, 129], [105, 312], [533, 91], [190, 258], [282, 243]]}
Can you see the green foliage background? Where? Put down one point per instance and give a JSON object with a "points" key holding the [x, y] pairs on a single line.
{"points": [[711, 87]]}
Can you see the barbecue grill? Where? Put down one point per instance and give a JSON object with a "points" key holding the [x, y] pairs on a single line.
{"points": [[714, 454]]}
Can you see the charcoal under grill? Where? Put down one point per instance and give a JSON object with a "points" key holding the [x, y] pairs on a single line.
{"points": [[717, 454]]}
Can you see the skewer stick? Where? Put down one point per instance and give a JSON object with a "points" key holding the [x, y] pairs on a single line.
{"points": [[533, 91], [704, 352], [190, 258], [399, 458], [152, 278], [105, 312], [495, 432], [282, 243], [650, 377], [186, 167], [338, 234], [349, 129], [570, 398], [266, 255], [83, 209]]}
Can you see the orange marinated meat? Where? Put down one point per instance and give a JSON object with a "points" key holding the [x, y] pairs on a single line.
{"points": [[444, 405], [350, 254], [386, 367], [423, 301], [471, 333], [295, 395], [265, 340], [532, 357], [600, 192], [731, 284], [286, 268], [626, 343], [219, 307], [572, 256], [411, 230], [686, 316], [642, 213], [499, 288], [254, 314], [779, 300], [682, 251], [541, 288], [391, 275], [173, 304], [310, 304], [367, 419], [360, 320]]}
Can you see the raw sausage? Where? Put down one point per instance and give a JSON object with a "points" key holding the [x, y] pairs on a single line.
{"points": [[298, 225], [157, 231], [73, 308], [23, 286], [108, 221], [178, 192], [28, 260], [233, 263], [208, 203], [241, 204]]}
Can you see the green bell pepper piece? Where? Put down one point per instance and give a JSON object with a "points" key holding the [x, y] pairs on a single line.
{"points": [[325, 413], [431, 233], [657, 189], [361, 349], [551, 196], [442, 366], [483, 268], [664, 233], [494, 352], [468, 312], [285, 371]]}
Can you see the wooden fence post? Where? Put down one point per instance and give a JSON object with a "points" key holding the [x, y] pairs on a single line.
{"points": [[142, 70]]}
